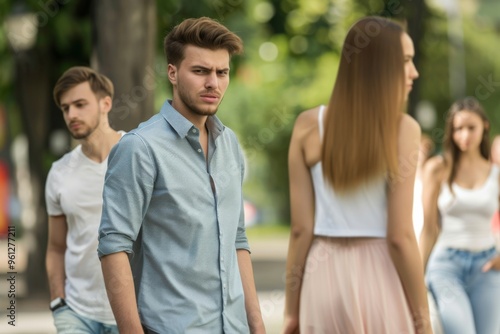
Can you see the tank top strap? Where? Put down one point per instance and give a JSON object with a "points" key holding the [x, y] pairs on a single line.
{"points": [[494, 174], [320, 120], [495, 171]]}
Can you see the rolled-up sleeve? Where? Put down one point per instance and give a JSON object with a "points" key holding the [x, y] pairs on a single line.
{"points": [[127, 193], [241, 236]]}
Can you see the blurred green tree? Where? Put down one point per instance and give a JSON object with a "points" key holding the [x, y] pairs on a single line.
{"points": [[292, 50]]}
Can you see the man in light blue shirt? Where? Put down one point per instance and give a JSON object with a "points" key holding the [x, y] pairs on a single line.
{"points": [[172, 240]]}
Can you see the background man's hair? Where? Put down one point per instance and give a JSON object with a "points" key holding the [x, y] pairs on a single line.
{"points": [[99, 83], [202, 32]]}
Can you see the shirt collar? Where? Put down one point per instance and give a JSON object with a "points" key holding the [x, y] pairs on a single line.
{"points": [[182, 125]]}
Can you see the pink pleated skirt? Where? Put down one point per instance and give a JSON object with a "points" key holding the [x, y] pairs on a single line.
{"points": [[351, 286]]}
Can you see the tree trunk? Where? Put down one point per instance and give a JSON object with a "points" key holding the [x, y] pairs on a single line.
{"points": [[33, 95], [124, 49]]}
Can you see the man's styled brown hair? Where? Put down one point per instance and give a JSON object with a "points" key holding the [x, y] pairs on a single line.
{"points": [[367, 101], [99, 83], [202, 32]]}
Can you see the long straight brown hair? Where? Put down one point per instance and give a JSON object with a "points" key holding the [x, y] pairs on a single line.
{"points": [[361, 126], [452, 152]]}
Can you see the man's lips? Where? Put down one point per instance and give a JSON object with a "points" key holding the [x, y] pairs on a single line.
{"points": [[210, 98], [74, 126]]}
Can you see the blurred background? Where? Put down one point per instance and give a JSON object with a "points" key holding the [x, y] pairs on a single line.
{"points": [[292, 50]]}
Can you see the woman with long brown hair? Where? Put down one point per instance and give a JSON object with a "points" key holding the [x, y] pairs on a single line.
{"points": [[353, 264], [460, 196]]}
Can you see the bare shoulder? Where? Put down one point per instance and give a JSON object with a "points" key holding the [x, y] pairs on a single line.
{"points": [[409, 127], [408, 136], [435, 168], [306, 122]]}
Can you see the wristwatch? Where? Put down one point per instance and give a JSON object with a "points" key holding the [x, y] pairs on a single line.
{"points": [[57, 303]]}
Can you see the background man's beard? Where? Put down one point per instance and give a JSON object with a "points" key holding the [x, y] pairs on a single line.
{"points": [[79, 136], [88, 131]]}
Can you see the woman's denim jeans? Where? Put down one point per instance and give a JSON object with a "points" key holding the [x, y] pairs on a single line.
{"points": [[468, 300]]}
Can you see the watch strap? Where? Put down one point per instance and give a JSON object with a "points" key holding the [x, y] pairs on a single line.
{"points": [[57, 303]]}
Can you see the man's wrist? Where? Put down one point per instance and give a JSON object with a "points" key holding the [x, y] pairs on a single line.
{"points": [[57, 303]]}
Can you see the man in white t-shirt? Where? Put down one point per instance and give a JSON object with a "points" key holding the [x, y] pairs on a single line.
{"points": [[74, 203]]}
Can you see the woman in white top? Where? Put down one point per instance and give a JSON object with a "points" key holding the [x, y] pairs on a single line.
{"points": [[353, 259], [460, 195]]}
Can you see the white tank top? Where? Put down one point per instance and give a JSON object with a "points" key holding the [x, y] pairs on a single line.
{"points": [[360, 213], [466, 214]]}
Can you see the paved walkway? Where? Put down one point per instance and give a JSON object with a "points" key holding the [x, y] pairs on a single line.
{"points": [[33, 317], [268, 256]]}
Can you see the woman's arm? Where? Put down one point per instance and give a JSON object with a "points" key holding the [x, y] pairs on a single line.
{"points": [[401, 239], [494, 263], [302, 224], [431, 180]]}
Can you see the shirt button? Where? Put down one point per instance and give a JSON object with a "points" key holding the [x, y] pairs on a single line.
{"points": [[222, 259], [194, 130], [199, 150]]}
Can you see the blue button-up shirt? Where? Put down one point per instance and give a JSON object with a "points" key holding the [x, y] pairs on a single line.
{"points": [[181, 220]]}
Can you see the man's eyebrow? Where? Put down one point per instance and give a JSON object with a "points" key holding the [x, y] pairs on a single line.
{"points": [[71, 102], [201, 67]]}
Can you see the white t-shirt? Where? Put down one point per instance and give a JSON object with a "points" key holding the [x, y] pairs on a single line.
{"points": [[74, 189]]}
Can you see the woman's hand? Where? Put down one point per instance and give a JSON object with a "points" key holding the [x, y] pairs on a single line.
{"points": [[291, 325], [494, 264], [422, 322]]}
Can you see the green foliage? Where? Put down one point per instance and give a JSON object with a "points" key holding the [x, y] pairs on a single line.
{"points": [[292, 50], [483, 68], [434, 71]]}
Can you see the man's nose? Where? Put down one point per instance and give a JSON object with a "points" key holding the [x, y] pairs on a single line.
{"points": [[72, 112], [211, 80]]}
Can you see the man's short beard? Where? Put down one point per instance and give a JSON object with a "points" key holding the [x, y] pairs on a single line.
{"points": [[81, 136], [203, 112], [192, 107], [89, 130]]}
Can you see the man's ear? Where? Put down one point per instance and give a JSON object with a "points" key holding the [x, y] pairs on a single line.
{"points": [[106, 103], [172, 74]]}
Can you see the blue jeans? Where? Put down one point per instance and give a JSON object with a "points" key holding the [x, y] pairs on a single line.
{"points": [[68, 321], [467, 299]]}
